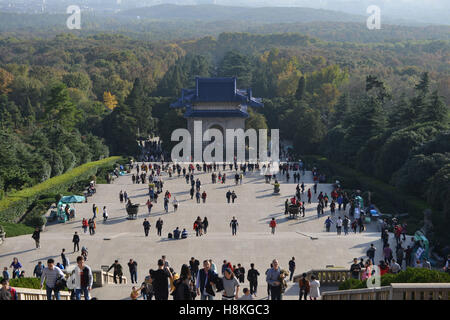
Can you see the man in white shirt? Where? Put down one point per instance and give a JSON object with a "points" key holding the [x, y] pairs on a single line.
{"points": [[82, 279], [395, 267]]}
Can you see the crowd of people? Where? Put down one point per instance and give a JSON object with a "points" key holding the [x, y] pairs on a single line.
{"points": [[204, 283]]}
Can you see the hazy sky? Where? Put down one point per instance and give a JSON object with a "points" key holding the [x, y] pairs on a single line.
{"points": [[430, 11]]}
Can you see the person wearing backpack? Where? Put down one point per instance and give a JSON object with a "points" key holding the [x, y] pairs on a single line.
{"points": [[273, 225], [303, 284], [252, 277]]}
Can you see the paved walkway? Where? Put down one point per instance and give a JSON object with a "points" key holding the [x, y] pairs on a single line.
{"points": [[123, 239]]}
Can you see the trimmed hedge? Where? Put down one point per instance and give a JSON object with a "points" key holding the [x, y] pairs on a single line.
{"points": [[30, 283], [410, 275], [16, 229], [14, 206], [382, 194]]}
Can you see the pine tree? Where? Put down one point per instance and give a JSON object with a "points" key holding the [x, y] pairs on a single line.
{"points": [[435, 109], [300, 93]]}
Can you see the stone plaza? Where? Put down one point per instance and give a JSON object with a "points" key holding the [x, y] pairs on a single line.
{"points": [[304, 238]]}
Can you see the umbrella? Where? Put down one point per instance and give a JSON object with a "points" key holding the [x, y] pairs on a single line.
{"points": [[72, 199]]}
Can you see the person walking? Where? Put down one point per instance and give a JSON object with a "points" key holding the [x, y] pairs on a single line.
{"points": [[37, 237], [204, 196], [228, 196], [84, 225], [234, 224], [355, 269], [149, 206], [309, 195], [345, 224], [273, 281], [314, 291], [94, 210], [304, 286], [400, 253], [205, 224], [183, 289], [370, 253], [146, 225], [91, 224], [233, 196], [175, 204], [64, 260], [51, 275], [160, 281], [76, 242], [339, 225], [387, 253], [83, 279], [328, 223], [204, 282], [230, 286], [117, 272], [252, 277], [105, 214], [37, 272], [132, 266], [291, 268], [273, 225], [193, 266], [159, 225]]}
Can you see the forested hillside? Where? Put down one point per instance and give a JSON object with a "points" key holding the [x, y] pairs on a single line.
{"points": [[380, 108]]}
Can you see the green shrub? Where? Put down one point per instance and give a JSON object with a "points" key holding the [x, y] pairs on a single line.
{"points": [[16, 229], [16, 204], [410, 275], [30, 283], [35, 220]]}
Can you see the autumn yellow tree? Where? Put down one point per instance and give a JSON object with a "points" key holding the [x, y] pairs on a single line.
{"points": [[5, 80], [109, 100]]}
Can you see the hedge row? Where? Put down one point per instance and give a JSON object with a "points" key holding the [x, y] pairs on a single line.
{"points": [[14, 206], [380, 191], [30, 283], [410, 275]]}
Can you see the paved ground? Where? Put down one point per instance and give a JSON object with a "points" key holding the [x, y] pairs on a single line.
{"points": [[254, 208]]}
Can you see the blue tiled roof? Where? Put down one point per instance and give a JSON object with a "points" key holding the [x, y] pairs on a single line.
{"points": [[216, 90], [190, 113]]}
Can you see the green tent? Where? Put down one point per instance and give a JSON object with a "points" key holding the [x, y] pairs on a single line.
{"points": [[72, 199]]}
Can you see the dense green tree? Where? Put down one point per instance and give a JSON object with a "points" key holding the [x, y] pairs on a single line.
{"points": [[235, 64], [300, 93]]}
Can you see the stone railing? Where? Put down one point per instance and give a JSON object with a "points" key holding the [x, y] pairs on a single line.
{"points": [[420, 291], [328, 277], [395, 291], [102, 278], [381, 293], [36, 294]]}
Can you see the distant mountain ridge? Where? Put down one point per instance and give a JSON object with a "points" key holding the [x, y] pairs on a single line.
{"points": [[210, 12]]}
